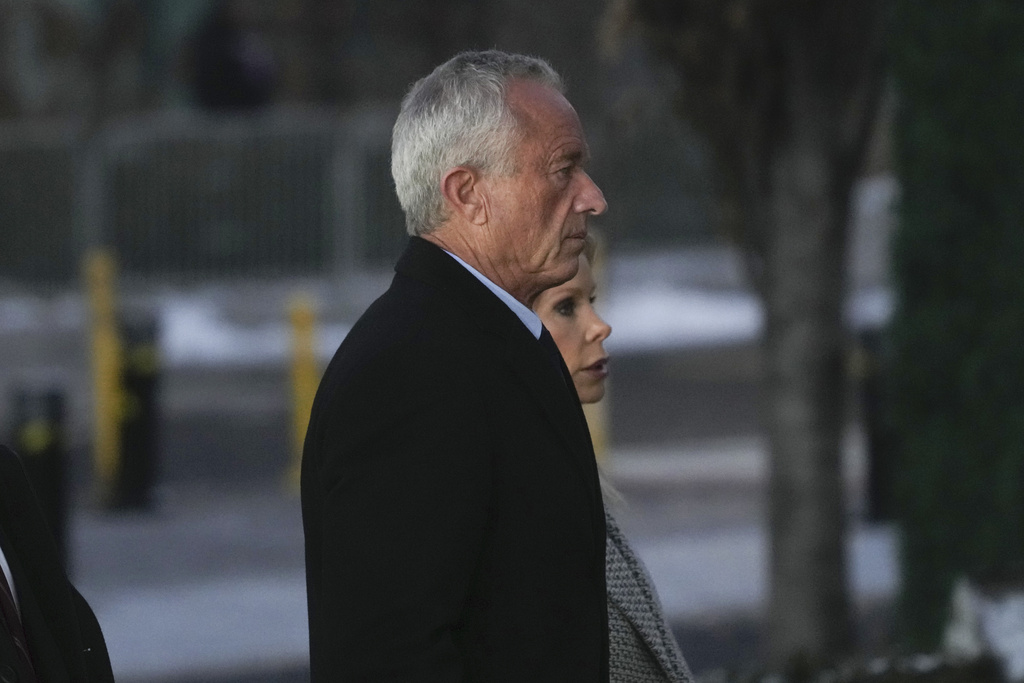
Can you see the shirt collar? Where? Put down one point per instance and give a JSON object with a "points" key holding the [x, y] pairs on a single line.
{"points": [[528, 317]]}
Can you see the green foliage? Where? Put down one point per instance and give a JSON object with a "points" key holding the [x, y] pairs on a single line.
{"points": [[957, 374]]}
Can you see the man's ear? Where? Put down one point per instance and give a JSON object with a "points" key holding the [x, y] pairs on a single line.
{"points": [[463, 191]]}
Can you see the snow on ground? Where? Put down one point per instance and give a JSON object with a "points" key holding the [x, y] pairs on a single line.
{"points": [[654, 302], [197, 333], [642, 319]]}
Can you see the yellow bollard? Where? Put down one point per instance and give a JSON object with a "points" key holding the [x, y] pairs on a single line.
{"points": [[100, 276], [305, 378]]}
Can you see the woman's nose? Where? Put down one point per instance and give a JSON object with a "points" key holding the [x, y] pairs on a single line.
{"points": [[600, 330]]}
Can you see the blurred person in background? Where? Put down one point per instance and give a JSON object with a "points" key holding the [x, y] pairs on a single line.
{"points": [[232, 67], [642, 648], [48, 633], [451, 504]]}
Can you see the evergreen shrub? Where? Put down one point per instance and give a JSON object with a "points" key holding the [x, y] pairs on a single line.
{"points": [[956, 386]]}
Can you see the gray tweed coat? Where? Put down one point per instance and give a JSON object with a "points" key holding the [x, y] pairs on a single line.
{"points": [[642, 649]]}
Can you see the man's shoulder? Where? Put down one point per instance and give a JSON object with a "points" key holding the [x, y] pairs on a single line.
{"points": [[409, 332], [436, 320], [408, 313], [407, 355]]}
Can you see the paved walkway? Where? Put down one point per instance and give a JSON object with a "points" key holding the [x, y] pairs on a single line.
{"points": [[211, 584]]}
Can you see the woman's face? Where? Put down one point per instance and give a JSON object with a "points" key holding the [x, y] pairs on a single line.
{"points": [[568, 313]]}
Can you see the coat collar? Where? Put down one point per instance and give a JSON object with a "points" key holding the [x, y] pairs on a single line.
{"points": [[428, 263]]}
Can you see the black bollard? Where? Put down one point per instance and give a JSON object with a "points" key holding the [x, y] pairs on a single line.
{"points": [[37, 435], [140, 383]]}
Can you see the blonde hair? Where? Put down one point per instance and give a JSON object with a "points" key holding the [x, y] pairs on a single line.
{"points": [[611, 495]]}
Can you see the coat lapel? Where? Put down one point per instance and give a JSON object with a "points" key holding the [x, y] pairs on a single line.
{"points": [[557, 397], [524, 354], [631, 590]]}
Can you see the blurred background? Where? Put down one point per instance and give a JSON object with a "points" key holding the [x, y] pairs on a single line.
{"points": [[811, 265]]}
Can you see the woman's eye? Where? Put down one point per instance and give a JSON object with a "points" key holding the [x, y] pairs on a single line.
{"points": [[566, 307]]}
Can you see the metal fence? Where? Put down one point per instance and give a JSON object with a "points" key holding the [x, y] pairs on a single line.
{"points": [[185, 196], [188, 197], [37, 203]]}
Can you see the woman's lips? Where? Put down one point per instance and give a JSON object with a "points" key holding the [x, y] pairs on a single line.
{"points": [[598, 369]]}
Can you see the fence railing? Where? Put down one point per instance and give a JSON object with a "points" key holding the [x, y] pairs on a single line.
{"points": [[38, 183], [185, 196]]}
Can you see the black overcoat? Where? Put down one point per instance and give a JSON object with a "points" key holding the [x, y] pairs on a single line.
{"points": [[453, 519], [62, 632]]}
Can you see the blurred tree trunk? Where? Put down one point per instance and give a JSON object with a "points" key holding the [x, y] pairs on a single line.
{"points": [[787, 93]]}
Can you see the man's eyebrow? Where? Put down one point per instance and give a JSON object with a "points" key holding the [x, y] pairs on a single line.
{"points": [[578, 156]]}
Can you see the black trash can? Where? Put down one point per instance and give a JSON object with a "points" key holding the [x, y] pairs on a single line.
{"points": [[136, 471]]}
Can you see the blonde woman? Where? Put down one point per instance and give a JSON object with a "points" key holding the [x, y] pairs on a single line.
{"points": [[642, 649]]}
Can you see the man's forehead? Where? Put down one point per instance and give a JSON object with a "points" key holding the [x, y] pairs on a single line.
{"points": [[542, 110], [533, 102]]}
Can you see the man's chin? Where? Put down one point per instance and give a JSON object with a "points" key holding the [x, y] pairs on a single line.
{"points": [[555, 273], [565, 272]]}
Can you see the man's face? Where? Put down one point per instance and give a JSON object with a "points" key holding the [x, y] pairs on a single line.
{"points": [[538, 215]]}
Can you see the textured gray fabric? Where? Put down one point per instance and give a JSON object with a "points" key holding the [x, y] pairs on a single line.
{"points": [[642, 648]]}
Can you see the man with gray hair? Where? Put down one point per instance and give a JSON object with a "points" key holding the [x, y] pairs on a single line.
{"points": [[453, 519]]}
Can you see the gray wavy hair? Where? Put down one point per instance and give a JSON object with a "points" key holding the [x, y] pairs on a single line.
{"points": [[458, 116]]}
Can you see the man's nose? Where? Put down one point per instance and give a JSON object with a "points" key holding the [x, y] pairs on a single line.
{"points": [[590, 199]]}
